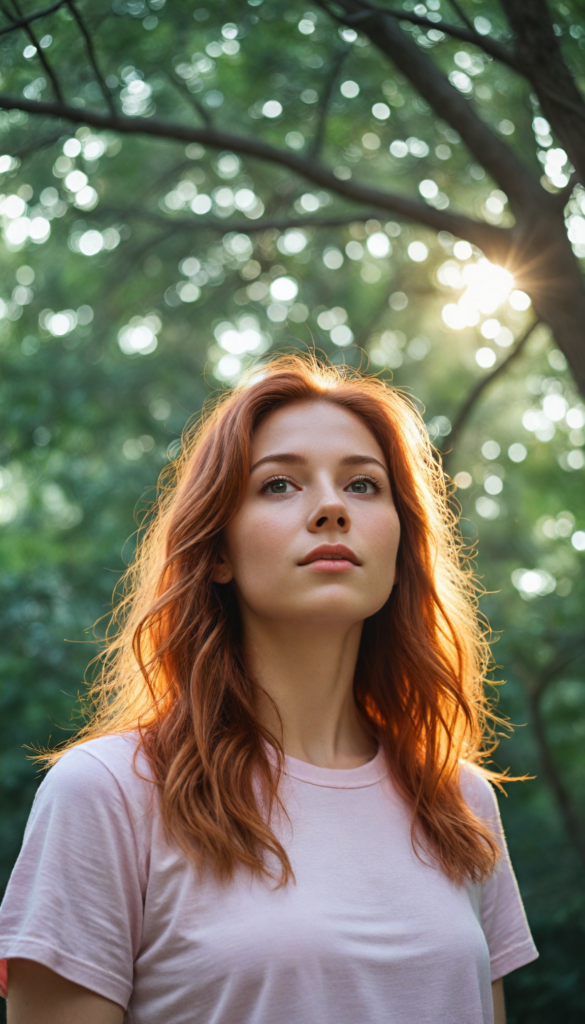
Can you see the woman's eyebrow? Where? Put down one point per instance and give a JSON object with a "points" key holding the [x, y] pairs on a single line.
{"points": [[292, 458], [289, 458], [360, 460]]}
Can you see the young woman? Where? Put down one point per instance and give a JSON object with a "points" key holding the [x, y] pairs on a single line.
{"points": [[277, 814]]}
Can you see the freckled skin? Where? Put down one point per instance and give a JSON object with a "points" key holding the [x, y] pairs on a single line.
{"points": [[293, 507]]}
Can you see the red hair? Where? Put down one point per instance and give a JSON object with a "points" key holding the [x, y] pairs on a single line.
{"points": [[175, 670]]}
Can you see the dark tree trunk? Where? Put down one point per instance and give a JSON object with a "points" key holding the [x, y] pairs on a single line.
{"points": [[546, 268], [540, 57]]}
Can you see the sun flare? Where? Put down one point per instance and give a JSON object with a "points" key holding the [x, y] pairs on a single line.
{"points": [[487, 286]]}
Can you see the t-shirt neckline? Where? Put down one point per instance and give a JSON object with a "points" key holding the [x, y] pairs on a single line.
{"points": [[338, 778]]}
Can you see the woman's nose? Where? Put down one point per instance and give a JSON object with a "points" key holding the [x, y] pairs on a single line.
{"points": [[330, 513]]}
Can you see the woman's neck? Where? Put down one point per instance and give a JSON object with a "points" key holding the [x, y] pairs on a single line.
{"points": [[308, 671]]}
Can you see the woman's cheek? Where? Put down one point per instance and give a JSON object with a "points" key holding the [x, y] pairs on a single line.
{"points": [[259, 552]]}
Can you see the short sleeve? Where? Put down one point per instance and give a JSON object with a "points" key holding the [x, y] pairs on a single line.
{"points": [[502, 914], [75, 898]]}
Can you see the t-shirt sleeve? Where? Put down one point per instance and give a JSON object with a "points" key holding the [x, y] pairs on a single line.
{"points": [[501, 911], [75, 898]]}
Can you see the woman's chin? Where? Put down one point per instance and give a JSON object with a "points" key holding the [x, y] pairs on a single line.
{"points": [[333, 609]]}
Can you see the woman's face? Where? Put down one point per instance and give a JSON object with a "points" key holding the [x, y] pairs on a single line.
{"points": [[317, 536]]}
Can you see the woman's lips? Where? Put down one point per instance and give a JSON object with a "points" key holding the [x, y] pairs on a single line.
{"points": [[331, 558], [330, 565]]}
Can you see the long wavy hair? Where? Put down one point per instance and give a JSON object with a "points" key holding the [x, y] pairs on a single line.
{"points": [[174, 670]]}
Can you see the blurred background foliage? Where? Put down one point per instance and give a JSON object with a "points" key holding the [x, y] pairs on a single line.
{"points": [[139, 275]]}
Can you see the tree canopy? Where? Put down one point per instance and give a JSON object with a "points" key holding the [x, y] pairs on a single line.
{"points": [[184, 190]]}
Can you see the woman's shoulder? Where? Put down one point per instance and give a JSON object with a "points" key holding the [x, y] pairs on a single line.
{"points": [[478, 792], [102, 769]]}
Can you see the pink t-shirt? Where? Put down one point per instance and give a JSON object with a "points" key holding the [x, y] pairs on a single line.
{"points": [[368, 934]]}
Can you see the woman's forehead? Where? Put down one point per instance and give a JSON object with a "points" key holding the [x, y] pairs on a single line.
{"points": [[311, 427]]}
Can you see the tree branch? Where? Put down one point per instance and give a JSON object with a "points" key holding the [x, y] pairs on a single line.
{"points": [[253, 227], [193, 101], [319, 138], [491, 239], [573, 826], [92, 56], [486, 43], [366, 331], [42, 56], [562, 101], [536, 685], [458, 9], [520, 184], [26, 19], [36, 145], [475, 393], [538, 51], [490, 46]]}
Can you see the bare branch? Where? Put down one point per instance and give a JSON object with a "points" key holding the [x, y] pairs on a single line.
{"points": [[224, 227], [36, 145], [134, 253], [536, 685], [573, 825], [319, 138], [193, 101], [378, 311], [475, 393], [467, 35], [458, 9], [490, 46], [519, 183], [92, 56], [487, 237], [562, 101], [41, 55], [27, 18]]}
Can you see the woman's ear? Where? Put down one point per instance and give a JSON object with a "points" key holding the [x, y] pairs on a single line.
{"points": [[222, 572]]}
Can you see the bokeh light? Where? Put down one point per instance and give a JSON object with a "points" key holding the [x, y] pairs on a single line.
{"points": [[418, 251], [531, 583], [485, 357], [139, 336], [284, 289]]}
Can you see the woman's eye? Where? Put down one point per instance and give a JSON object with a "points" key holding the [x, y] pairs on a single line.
{"points": [[362, 487], [277, 487]]}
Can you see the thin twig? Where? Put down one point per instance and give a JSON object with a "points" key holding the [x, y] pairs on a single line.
{"points": [[573, 826], [562, 101], [366, 331], [478, 389], [26, 19], [457, 8], [239, 227], [36, 145], [194, 102], [133, 255], [536, 685], [41, 55], [107, 94], [319, 137]]}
